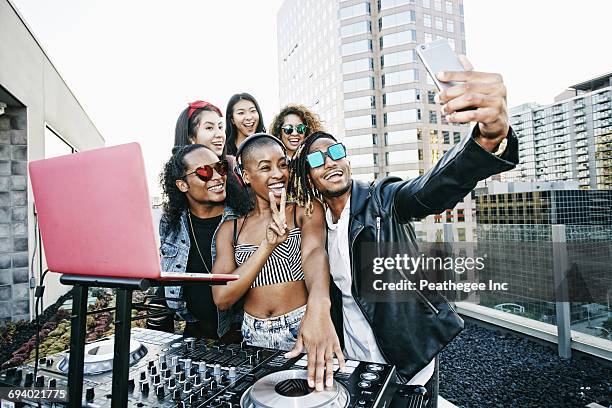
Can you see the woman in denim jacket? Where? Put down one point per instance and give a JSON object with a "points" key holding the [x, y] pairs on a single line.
{"points": [[198, 197]]}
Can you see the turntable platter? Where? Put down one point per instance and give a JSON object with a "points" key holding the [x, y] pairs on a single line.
{"points": [[99, 356], [289, 388]]}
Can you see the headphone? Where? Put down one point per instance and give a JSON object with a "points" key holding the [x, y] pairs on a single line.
{"points": [[238, 170]]}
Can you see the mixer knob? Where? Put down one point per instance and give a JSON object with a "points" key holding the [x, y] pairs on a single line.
{"points": [[258, 354], [143, 376], [153, 370], [217, 370], [193, 399], [163, 366], [187, 363], [40, 381], [159, 391], [217, 403], [52, 383], [190, 342], [90, 394], [193, 371], [181, 377], [151, 364], [172, 383], [213, 385], [144, 387], [29, 379], [167, 373], [203, 393], [17, 377], [156, 379], [232, 373], [161, 358], [174, 361], [201, 366], [178, 369], [251, 359], [187, 387], [176, 394], [243, 344], [197, 382]]}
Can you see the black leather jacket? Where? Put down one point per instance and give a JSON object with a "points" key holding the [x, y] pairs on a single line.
{"points": [[381, 212]]}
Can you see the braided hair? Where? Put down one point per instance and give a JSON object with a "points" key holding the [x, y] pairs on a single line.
{"points": [[300, 188]]}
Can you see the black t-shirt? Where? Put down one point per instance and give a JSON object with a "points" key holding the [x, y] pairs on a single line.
{"points": [[199, 295]]}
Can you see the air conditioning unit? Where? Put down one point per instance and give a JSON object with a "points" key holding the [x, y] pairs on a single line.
{"points": [[2, 108]]}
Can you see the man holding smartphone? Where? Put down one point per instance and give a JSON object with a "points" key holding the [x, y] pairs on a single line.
{"points": [[406, 334]]}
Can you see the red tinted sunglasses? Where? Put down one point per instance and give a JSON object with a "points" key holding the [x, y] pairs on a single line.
{"points": [[205, 173]]}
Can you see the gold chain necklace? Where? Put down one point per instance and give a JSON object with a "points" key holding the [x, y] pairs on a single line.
{"points": [[196, 240]]}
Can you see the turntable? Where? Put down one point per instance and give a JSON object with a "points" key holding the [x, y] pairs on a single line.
{"points": [[99, 356], [290, 389]]}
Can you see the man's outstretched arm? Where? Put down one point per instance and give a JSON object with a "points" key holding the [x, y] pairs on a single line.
{"points": [[474, 158]]}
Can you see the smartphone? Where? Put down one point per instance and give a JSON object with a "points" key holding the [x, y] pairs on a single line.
{"points": [[439, 56]]}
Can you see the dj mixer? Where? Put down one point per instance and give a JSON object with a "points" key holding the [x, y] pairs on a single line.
{"points": [[167, 370]]}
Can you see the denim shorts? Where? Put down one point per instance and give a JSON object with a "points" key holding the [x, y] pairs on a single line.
{"points": [[278, 332]]}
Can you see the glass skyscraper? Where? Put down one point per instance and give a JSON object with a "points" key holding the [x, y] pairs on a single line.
{"points": [[354, 63]]}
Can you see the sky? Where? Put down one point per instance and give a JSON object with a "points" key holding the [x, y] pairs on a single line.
{"points": [[134, 65]]}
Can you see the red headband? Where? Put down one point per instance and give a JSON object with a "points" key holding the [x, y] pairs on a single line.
{"points": [[201, 105]]}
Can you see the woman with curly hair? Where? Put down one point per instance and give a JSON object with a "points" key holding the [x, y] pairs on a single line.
{"points": [[198, 197], [293, 124]]}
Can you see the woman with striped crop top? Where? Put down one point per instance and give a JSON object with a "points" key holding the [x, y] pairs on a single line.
{"points": [[278, 249]]}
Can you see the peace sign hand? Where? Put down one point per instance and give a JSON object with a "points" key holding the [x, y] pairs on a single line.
{"points": [[276, 231]]}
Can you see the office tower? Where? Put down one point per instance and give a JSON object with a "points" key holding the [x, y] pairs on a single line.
{"points": [[354, 63], [570, 139]]}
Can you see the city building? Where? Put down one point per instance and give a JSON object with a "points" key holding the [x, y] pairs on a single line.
{"points": [[542, 203], [516, 224], [570, 139], [39, 118], [354, 63]]}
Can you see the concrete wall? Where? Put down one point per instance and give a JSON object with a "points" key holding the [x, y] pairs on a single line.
{"points": [[27, 74]]}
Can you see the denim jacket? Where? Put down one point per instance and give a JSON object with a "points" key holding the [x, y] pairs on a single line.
{"points": [[174, 252]]}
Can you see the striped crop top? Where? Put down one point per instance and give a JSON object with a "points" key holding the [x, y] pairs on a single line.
{"points": [[283, 265]]}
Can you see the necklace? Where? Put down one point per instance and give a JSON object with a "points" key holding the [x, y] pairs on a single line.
{"points": [[196, 240]]}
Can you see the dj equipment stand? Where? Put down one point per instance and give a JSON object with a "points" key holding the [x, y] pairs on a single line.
{"points": [[123, 320]]}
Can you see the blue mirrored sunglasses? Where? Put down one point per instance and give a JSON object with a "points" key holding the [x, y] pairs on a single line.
{"points": [[335, 152]]}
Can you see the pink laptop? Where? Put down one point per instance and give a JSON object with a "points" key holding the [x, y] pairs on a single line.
{"points": [[95, 216]]}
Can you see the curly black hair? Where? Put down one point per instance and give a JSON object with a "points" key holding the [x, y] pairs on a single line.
{"points": [[300, 188], [174, 200]]}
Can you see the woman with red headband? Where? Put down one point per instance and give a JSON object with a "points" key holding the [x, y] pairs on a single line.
{"points": [[201, 122]]}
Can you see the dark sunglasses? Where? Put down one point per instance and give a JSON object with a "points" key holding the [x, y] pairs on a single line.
{"points": [[301, 129], [205, 173], [335, 152]]}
